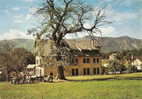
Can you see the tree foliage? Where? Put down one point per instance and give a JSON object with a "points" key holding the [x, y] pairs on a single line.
{"points": [[21, 58], [64, 17], [116, 66], [15, 60]]}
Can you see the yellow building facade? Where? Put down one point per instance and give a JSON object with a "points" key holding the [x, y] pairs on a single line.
{"points": [[84, 62], [86, 65]]}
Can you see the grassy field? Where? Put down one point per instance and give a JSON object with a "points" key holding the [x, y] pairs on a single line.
{"points": [[110, 89], [99, 77]]}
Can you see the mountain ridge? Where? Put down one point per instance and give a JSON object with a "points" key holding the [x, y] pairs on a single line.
{"points": [[109, 44]]}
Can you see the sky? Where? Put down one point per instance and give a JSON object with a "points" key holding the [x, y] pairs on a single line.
{"points": [[17, 16]]}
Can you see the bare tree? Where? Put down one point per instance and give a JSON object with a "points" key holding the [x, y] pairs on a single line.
{"points": [[64, 17]]}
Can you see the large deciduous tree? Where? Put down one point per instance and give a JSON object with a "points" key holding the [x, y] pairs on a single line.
{"points": [[62, 17]]}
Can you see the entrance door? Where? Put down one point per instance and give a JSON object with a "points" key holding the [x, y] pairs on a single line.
{"points": [[61, 72]]}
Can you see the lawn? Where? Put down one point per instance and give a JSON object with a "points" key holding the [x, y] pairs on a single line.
{"points": [[103, 77], [110, 89]]}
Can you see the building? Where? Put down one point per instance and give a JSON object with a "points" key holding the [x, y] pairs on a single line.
{"points": [[82, 59], [138, 64], [33, 70]]}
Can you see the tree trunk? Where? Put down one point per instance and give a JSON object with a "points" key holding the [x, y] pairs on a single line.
{"points": [[5, 74], [60, 70]]}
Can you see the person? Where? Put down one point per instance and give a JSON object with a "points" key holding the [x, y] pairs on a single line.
{"points": [[50, 77], [57, 77], [45, 78]]}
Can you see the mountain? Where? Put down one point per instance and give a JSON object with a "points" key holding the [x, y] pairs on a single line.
{"points": [[109, 44], [120, 43], [16, 43]]}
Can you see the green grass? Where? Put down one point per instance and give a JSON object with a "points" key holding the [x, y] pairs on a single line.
{"points": [[111, 89], [122, 76]]}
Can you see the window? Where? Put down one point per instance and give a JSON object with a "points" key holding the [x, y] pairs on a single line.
{"points": [[86, 71], [96, 60], [75, 72], [96, 71], [86, 60], [39, 61], [36, 61], [75, 61]]}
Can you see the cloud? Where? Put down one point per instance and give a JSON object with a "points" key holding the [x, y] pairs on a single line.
{"points": [[124, 22], [28, 17], [109, 30], [6, 11], [18, 21], [21, 18], [119, 16], [106, 31], [16, 8], [130, 2], [15, 34], [25, 18], [32, 10], [29, 0]]}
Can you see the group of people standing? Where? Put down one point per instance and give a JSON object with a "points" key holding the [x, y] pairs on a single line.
{"points": [[24, 78]]}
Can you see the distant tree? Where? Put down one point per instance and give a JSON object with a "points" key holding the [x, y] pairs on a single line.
{"points": [[5, 61], [6, 46], [116, 65], [16, 59], [64, 17], [21, 58]]}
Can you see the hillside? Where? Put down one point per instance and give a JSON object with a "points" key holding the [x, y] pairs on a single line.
{"points": [[17, 43], [121, 43], [109, 44]]}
